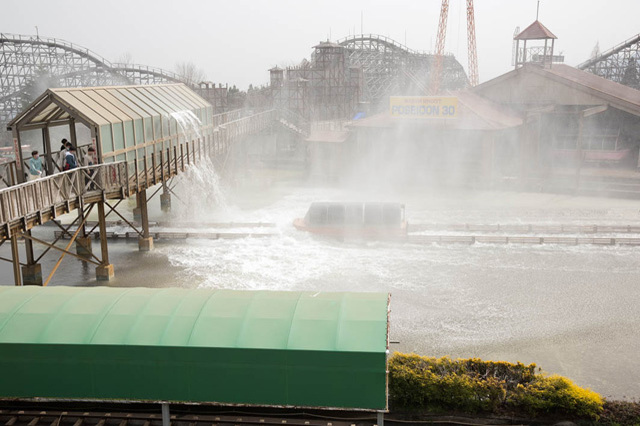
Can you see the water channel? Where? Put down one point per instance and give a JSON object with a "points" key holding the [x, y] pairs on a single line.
{"points": [[573, 310]]}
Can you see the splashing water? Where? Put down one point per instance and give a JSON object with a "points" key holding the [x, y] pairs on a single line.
{"points": [[189, 123], [202, 195]]}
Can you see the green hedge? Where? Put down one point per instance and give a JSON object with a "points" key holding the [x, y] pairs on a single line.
{"points": [[476, 386]]}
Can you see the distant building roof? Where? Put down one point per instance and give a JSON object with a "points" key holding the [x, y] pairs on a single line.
{"points": [[535, 31], [617, 95], [475, 113]]}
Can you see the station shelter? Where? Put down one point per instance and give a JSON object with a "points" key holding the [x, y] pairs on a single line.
{"points": [[209, 346]]}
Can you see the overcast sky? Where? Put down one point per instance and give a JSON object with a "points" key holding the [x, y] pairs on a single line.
{"points": [[237, 41]]}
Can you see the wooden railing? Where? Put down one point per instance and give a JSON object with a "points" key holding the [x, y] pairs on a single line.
{"points": [[19, 203], [8, 175], [163, 165], [226, 117]]}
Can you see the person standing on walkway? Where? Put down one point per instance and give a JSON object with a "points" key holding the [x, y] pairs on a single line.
{"points": [[63, 153], [35, 166], [70, 159]]}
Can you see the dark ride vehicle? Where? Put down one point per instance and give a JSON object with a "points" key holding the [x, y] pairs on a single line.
{"points": [[351, 219]]}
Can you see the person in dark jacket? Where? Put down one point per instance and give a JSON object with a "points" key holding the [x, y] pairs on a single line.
{"points": [[70, 161]]}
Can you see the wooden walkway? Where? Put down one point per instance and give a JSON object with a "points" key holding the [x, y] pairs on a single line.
{"points": [[34, 203]]}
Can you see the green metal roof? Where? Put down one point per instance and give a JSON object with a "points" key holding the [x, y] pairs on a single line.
{"points": [[197, 317]]}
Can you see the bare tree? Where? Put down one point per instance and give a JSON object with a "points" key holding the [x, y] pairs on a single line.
{"points": [[125, 59], [190, 73], [596, 50]]}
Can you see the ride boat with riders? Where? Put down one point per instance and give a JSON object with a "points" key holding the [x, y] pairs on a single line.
{"points": [[354, 219]]}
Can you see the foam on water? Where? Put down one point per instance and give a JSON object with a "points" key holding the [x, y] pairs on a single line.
{"points": [[482, 300]]}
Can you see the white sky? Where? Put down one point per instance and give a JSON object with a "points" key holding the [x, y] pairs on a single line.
{"points": [[237, 41]]}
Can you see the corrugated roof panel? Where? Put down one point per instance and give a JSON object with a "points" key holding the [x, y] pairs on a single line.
{"points": [[133, 102], [152, 100], [44, 114], [157, 95], [98, 104], [190, 95], [120, 115], [81, 107], [83, 99], [105, 96], [177, 100]]}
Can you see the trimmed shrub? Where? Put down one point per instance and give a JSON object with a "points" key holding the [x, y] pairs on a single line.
{"points": [[476, 386]]}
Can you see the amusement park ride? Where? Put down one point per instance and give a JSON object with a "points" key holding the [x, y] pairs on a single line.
{"points": [[436, 77]]}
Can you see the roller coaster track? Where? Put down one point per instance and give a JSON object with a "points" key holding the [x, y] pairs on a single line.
{"points": [[391, 67], [619, 64], [31, 63]]}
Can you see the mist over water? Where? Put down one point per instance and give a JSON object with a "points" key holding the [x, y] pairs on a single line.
{"points": [[570, 309]]}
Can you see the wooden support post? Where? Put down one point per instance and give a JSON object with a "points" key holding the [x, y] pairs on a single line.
{"points": [[28, 247], [162, 162], [72, 133], [32, 271], [104, 272], [15, 257], [145, 243], [17, 147], [46, 138]]}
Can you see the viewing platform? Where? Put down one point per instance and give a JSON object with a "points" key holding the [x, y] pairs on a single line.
{"points": [[142, 136]]}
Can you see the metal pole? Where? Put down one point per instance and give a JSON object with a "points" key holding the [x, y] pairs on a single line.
{"points": [[380, 418], [15, 256], [166, 415]]}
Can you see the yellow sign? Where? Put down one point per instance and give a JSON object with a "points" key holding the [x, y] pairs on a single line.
{"points": [[423, 106]]}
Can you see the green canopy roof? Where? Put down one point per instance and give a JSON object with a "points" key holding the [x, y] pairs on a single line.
{"points": [[180, 317], [199, 345]]}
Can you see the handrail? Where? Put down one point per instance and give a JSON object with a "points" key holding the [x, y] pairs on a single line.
{"points": [[296, 119], [225, 117], [22, 202], [19, 202]]}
